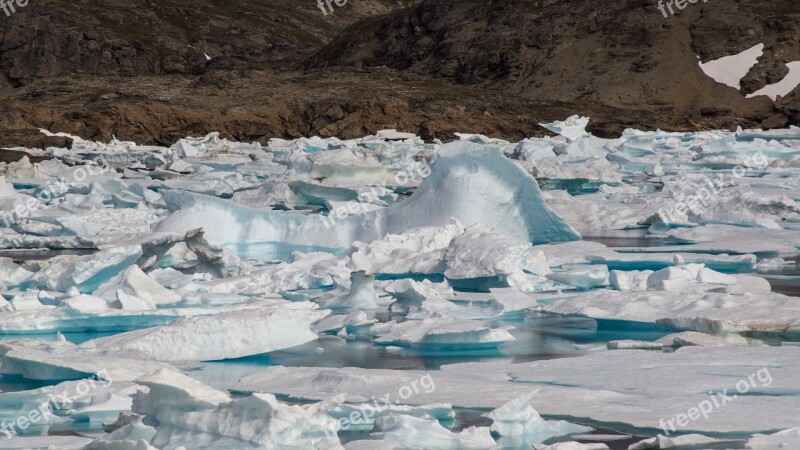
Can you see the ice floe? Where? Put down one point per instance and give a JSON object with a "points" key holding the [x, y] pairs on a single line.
{"points": [[242, 295]]}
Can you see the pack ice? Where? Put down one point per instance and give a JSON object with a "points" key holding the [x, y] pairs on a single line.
{"points": [[567, 291]]}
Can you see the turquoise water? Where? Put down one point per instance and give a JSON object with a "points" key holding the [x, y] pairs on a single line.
{"points": [[538, 337]]}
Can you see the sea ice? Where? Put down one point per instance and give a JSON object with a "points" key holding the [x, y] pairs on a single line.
{"points": [[214, 250], [414, 432], [259, 327], [509, 200], [607, 394], [520, 423], [449, 334], [186, 412], [786, 439]]}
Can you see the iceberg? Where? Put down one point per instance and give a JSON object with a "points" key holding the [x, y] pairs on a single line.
{"points": [[469, 182]]}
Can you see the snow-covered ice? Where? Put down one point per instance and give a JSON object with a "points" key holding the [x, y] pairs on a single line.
{"points": [[385, 292]]}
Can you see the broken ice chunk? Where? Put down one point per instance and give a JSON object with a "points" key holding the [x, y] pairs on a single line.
{"points": [[135, 284], [86, 273], [481, 252], [46, 442], [573, 128], [360, 296], [417, 251], [634, 280], [11, 274], [365, 414], [132, 436], [445, 334], [706, 275], [71, 363], [427, 300], [687, 338], [352, 322], [782, 440], [571, 445], [522, 424], [192, 414], [714, 313], [414, 432], [628, 344], [687, 440], [676, 278], [582, 277]]}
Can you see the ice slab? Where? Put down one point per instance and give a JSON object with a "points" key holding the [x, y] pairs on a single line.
{"points": [[45, 443], [260, 327], [444, 334], [91, 313], [714, 313], [687, 338], [482, 253], [73, 364], [789, 438], [731, 239], [134, 283], [571, 445], [599, 388], [688, 440]]}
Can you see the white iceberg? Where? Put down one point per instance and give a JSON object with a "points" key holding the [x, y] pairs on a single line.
{"points": [[472, 183]]}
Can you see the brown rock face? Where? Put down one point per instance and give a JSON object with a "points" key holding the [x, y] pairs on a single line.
{"points": [[141, 70]]}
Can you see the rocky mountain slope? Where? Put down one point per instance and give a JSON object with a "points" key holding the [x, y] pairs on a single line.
{"points": [[153, 71]]}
